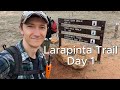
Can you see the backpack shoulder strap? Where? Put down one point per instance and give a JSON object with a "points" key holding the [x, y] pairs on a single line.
{"points": [[13, 50]]}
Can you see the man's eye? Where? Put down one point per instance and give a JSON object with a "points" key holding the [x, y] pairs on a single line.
{"points": [[42, 27], [30, 26]]}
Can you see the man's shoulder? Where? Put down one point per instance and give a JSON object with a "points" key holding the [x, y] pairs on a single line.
{"points": [[41, 54], [6, 55]]}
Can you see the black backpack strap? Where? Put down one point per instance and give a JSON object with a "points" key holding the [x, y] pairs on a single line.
{"points": [[14, 51], [4, 46], [17, 58]]}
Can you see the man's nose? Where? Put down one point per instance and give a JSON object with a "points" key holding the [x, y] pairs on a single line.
{"points": [[37, 32]]}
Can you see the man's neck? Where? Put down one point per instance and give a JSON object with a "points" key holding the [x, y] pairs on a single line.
{"points": [[31, 51]]}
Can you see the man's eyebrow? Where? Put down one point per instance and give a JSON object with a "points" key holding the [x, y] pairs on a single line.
{"points": [[29, 23], [42, 25], [34, 24]]}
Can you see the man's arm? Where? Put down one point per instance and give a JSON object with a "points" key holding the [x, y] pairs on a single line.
{"points": [[4, 68], [4, 65]]}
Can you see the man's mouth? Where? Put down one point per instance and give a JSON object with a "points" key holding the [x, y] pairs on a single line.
{"points": [[36, 38]]}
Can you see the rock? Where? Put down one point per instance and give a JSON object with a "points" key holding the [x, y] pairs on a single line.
{"points": [[54, 40], [80, 60]]}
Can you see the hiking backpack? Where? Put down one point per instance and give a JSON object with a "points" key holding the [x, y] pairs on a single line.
{"points": [[52, 25], [52, 28]]}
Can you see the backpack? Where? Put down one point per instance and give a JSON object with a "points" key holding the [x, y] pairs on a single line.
{"points": [[17, 70], [52, 25], [52, 28]]}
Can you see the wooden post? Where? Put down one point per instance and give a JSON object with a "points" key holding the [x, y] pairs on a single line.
{"points": [[116, 30]]}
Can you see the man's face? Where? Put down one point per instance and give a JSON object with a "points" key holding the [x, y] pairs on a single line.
{"points": [[34, 31]]}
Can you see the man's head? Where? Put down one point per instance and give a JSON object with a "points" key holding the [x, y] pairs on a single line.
{"points": [[33, 27]]}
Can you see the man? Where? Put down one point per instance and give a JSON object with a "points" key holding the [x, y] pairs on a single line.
{"points": [[33, 27]]}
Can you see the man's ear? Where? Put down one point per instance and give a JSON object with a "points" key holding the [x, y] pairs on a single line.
{"points": [[21, 29]]}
